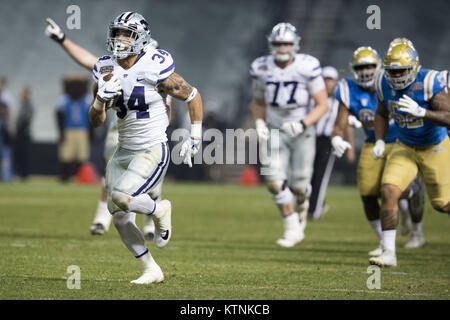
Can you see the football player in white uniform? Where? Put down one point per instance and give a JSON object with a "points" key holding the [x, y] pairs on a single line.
{"points": [[87, 60], [140, 79], [284, 83]]}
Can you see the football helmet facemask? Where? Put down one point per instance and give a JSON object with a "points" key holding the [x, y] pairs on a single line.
{"points": [[400, 57], [363, 75], [128, 34], [283, 33]]}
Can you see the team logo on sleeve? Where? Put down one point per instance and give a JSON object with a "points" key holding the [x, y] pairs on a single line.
{"points": [[106, 69]]}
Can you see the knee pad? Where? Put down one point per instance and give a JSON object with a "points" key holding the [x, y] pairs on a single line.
{"points": [[283, 197], [302, 193], [121, 199], [275, 186]]}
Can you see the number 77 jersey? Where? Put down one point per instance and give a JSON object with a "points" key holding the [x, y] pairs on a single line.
{"points": [[287, 92], [142, 115]]}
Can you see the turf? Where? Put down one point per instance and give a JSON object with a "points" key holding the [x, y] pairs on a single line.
{"points": [[223, 247]]}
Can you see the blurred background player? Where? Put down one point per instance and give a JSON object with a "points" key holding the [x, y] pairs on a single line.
{"points": [[73, 125], [6, 170], [87, 60], [324, 159], [417, 100], [22, 140], [141, 77], [357, 97], [283, 84]]}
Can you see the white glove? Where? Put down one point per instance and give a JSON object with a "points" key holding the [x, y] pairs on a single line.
{"points": [[191, 146], [378, 150], [54, 31], [107, 90], [340, 145], [261, 129], [352, 121], [410, 106], [293, 128]]}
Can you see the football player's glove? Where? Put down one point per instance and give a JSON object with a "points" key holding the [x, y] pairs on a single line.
{"points": [[410, 106], [353, 122], [378, 150], [340, 145], [293, 128], [192, 145], [54, 31], [107, 90]]}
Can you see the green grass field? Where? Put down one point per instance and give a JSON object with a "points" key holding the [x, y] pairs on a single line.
{"points": [[223, 247]]}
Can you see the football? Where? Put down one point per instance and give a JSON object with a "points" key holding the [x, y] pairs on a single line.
{"points": [[107, 77]]}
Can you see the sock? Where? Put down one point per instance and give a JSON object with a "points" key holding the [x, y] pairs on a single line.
{"points": [[129, 232], [142, 204], [417, 227], [147, 260], [376, 226], [388, 238]]}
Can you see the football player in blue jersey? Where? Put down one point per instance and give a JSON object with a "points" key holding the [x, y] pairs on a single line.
{"points": [[417, 100], [357, 97]]}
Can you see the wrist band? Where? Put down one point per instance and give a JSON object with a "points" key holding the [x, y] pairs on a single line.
{"points": [[98, 105], [196, 130], [62, 39], [192, 95], [303, 124]]}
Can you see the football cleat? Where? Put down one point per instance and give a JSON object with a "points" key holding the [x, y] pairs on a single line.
{"points": [[152, 275], [377, 251], [293, 231], [163, 223], [97, 229], [386, 259], [417, 240]]}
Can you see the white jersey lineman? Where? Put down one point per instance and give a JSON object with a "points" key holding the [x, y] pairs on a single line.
{"points": [[287, 93]]}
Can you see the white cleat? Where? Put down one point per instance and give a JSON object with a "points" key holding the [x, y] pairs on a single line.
{"points": [[376, 252], [386, 259], [152, 275], [293, 231], [163, 224], [417, 241]]}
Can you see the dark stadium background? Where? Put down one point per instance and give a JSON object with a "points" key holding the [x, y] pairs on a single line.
{"points": [[213, 43]]}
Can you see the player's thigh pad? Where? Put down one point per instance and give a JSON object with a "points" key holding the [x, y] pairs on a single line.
{"points": [[370, 171], [401, 166], [278, 159], [145, 170], [301, 162], [111, 141], [434, 164]]}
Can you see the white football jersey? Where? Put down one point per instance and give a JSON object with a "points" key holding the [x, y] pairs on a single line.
{"points": [[142, 116], [287, 92]]}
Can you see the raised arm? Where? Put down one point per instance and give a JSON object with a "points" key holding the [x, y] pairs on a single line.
{"points": [[79, 54]]}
